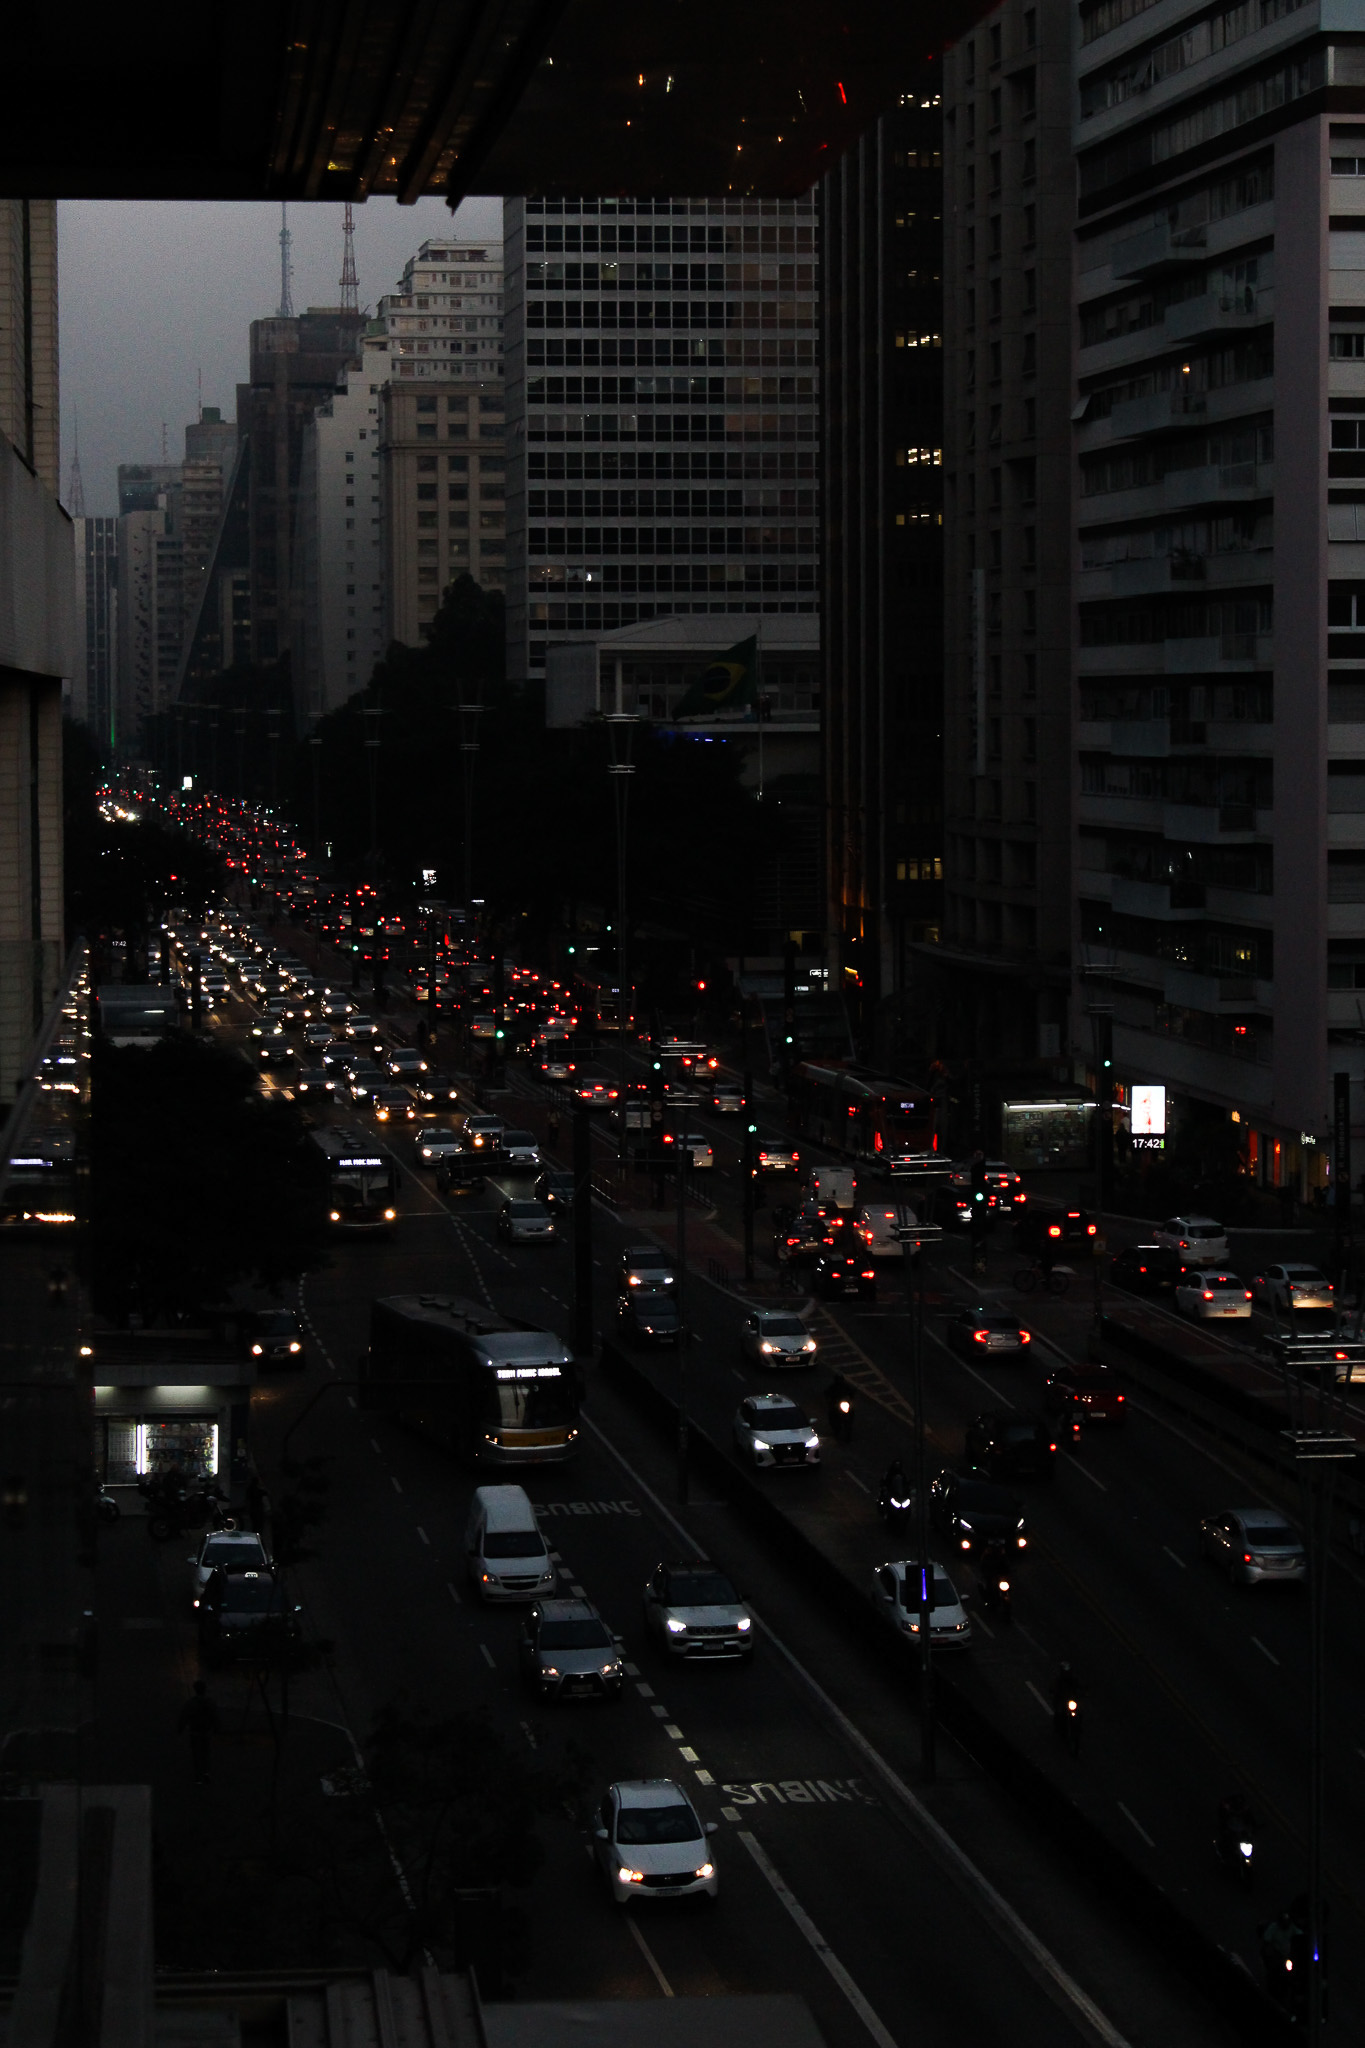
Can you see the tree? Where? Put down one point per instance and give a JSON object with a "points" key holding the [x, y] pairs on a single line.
{"points": [[197, 1182]]}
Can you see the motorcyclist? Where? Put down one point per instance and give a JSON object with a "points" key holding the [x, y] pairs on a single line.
{"points": [[1236, 1823], [992, 1567], [1066, 1694], [839, 1407], [895, 1499]]}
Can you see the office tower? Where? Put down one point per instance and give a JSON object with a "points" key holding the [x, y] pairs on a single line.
{"points": [[881, 610], [95, 683], [150, 617], [294, 366], [1000, 980], [210, 453], [662, 414]]}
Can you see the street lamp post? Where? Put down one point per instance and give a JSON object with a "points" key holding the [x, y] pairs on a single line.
{"points": [[913, 1237], [1317, 1454], [315, 754], [470, 715], [621, 733], [682, 1156]]}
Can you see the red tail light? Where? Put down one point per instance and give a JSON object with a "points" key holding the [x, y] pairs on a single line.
{"points": [[869, 1276], [1024, 1337], [1207, 1295], [1052, 1447], [1054, 1230], [1122, 1397], [1248, 1294], [1091, 1229], [980, 1336]]}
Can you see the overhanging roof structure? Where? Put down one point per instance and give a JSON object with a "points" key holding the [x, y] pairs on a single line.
{"points": [[338, 99]]}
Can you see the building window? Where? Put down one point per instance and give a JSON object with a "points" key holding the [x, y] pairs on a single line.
{"points": [[997, 174], [425, 433], [1030, 158], [1028, 365], [426, 405], [1030, 290], [1030, 28], [997, 102], [995, 42], [997, 233]]}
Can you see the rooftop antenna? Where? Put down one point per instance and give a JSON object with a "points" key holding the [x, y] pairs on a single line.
{"points": [[199, 392], [350, 284], [286, 311], [75, 490], [165, 449]]}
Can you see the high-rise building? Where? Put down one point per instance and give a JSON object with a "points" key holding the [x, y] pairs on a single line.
{"points": [[443, 471], [95, 684], [294, 367], [445, 319], [151, 623], [662, 405], [338, 630], [29, 412], [1000, 979], [210, 452], [881, 611]]}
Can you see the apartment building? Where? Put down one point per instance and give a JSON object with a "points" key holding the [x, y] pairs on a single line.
{"points": [[1000, 978], [662, 403], [1220, 558], [881, 607], [446, 318], [95, 684], [443, 479]]}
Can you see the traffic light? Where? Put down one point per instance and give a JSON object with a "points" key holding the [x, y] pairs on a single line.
{"points": [[978, 1179]]}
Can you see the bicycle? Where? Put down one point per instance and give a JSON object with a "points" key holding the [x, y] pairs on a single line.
{"points": [[1057, 1280]]}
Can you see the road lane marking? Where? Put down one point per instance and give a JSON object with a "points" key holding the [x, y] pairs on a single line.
{"points": [[661, 1713], [705, 1778], [396, 1484], [880, 2034], [488, 1656], [1263, 1650], [450, 1588], [647, 1952], [979, 1622], [1010, 1926], [732, 1812], [645, 1691], [424, 1536], [689, 1756], [672, 1731], [1046, 1705], [799, 1792], [1174, 1559], [375, 1448], [1136, 1824], [631, 1670], [1086, 1473], [857, 1481]]}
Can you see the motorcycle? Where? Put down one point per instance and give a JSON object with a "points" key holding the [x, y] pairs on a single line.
{"points": [[1066, 1712], [996, 1592], [896, 1502], [107, 1507], [1234, 1840]]}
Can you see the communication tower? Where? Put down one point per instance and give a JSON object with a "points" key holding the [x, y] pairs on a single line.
{"points": [[286, 311], [350, 285]]}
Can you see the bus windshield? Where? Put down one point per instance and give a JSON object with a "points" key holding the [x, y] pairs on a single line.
{"points": [[533, 1404]]}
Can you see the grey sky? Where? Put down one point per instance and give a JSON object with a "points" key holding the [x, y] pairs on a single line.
{"points": [[153, 292]]}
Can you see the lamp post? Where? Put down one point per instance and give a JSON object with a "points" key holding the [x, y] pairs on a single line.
{"points": [[682, 1159], [1317, 1455], [469, 715], [913, 1237], [315, 755], [621, 727]]}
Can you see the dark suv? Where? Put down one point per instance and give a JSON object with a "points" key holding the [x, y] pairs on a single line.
{"points": [[974, 1512], [1147, 1269], [1001, 1446], [244, 1614]]}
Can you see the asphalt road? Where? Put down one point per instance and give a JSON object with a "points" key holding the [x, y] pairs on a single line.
{"points": [[1192, 1688]]}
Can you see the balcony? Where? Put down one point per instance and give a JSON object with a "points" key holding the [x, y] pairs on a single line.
{"points": [[1217, 483], [1217, 313], [1207, 824], [1155, 410], [1159, 248], [1220, 652]]}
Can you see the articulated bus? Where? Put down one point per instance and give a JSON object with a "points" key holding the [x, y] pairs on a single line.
{"points": [[359, 1181], [495, 1391], [873, 1117]]}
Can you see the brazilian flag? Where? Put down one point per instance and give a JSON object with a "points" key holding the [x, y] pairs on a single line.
{"points": [[725, 684]]}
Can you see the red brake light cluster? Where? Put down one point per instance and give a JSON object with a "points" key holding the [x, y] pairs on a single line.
{"points": [[1054, 1230], [1024, 1337]]}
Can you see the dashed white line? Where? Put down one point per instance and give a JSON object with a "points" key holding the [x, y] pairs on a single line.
{"points": [[862, 1483], [705, 1778], [1046, 1705], [631, 1670], [661, 1713], [1086, 1473], [646, 1692], [689, 1756], [1136, 1824], [880, 2034], [1263, 1650], [450, 1588], [396, 1484], [673, 1731], [647, 1952], [375, 1448], [424, 1536], [488, 1656], [1173, 1557]]}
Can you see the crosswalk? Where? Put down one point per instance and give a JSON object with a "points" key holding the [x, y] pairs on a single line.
{"points": [[839, 1352]]}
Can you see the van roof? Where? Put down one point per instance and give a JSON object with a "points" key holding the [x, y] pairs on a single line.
{"points": [[507, 1507]]}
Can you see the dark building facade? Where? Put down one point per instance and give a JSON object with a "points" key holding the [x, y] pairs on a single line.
{"points": [[295, 363], [882, 559]]}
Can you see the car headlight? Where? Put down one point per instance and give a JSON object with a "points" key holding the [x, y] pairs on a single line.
{"points": [[675, 1627], [812, 1442], [549, 1671], [760, 1444], [390, 1215], [743, 1624], [630, 1876], [336, 1216], [765, 1347], [295, 1344], [611, 1671], [255, 1350], [706, 1870], [809, 1344]]}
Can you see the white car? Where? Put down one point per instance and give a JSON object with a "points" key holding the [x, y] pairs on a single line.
{"points": [[436, 1144], [775, 1336], [1291, 1287], [895, 1594], [236, 1550], [771, 1430], [693, 1610], [519, 1148], [700, 1147], [652, 1844], [1210, 1296], [1203, 1241], [526, 1223], [882, 1223]]}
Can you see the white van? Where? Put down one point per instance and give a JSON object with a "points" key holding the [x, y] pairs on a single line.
{"points": [[834, 1186], [505, 1553]]}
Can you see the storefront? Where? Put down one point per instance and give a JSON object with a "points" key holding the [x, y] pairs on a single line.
{"points": [[1054, 1133], [160, 1403]]}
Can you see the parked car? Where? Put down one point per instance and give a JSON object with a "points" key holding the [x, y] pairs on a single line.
{"points": [[568, 1652], [692, 1610], [246, 1613], [896, 1596], [1211, 1296], [1203, 1240], [773, 1337], [1253, 1545], [1293, 1287], [233, 1550], [986, 1333]]}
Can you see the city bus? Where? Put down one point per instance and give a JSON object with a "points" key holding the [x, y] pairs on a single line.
{"points": [[359, 1181], [494, 1391], [600, 1005], [872, 1117], [39, 1187]]}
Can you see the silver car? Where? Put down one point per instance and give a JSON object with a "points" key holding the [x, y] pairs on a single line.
{"points": [[406, 1064], [1252, 1545], [895, 1594], [481, 1133], [1293, 1287], [770, 1430], [1212, 1296], [568, 1652], [692, 1610], [652, 1844], [526, 1223], [436, 1144], [772, 1336], [519, 1148], [236, 1550]]}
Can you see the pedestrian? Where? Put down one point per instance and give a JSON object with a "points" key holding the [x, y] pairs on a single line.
{"points": [[199, 1716], [839, 1407]]}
